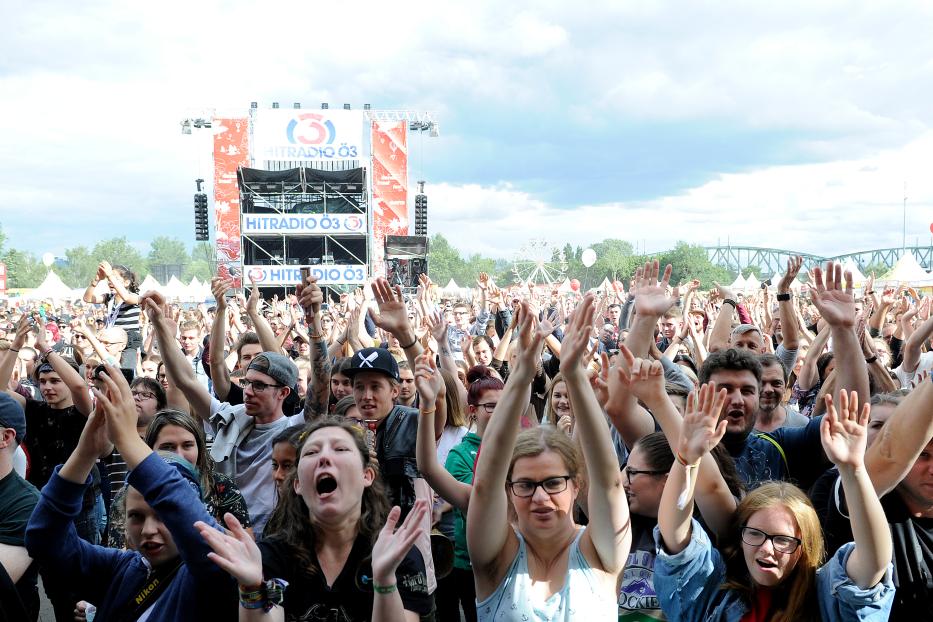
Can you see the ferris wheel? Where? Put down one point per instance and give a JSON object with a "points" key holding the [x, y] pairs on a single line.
{"points": [[539, 261]]}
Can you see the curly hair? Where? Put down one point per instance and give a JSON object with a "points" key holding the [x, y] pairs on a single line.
{"points": [[291, 519]]}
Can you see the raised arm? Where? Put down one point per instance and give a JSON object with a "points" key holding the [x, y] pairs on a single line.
{"points": [[488, 529], [10, 358], [118, 286], [267, 339], [220, 375], [177, 368], [914, 345], [438, 327], [89, 294], [722, 327], [72, 379], [844, 436], [785, 296], [837, 306], [809, 375], [310, 297], [609, 528], [901, 440], [429, 382], [701, 431]]}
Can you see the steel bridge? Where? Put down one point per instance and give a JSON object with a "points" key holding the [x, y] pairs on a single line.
{"points": [[772, 260]]}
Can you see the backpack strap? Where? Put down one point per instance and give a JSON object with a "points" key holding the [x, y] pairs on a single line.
{"points": [[780, 449]]}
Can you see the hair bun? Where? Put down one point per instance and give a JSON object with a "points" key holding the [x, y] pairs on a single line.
{"points": [[478, 372]]}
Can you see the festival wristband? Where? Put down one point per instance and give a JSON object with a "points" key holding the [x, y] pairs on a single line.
{"points": [[405, 347], [688, 480], [729, 301], [384, 589], [783, 297]]}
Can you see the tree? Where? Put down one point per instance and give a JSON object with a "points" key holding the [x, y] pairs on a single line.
{"points": [[444, 261], [80, 267], [119, 252], [201, 263], [23, 269], [691, 262], [166, 251], [615, 260]]}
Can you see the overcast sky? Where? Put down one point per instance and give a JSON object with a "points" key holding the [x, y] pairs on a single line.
{"points": [[792, 125]]}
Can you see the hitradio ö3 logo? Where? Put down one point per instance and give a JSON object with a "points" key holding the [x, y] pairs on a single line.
{"points": [[256, 275], [311, 129]]}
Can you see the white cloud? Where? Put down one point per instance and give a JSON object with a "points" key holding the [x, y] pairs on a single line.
{"points": [[830, 208]]}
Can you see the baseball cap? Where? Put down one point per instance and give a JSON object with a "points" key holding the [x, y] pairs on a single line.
{"points": [[277, 366], [741, 329], [12, 416], [373, 359]]}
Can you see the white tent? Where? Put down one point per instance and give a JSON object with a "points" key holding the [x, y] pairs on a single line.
{"points": [[752, 284], [451, 289], [858, 279], [565, 288], [51, 287], [149, 284], [907, 270], [198, 291], [175, 290], [738, 285]]}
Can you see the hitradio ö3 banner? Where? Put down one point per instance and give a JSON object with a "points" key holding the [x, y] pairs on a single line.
{"points": [[290, 135], [231, 151], [390, 186]]}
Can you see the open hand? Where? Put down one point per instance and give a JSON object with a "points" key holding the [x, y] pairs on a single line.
{"points": [[651, 295], [235, 552], [845, 433], [576, 336], [428, 380], [835, 303], [393, 314], [393, 544], [702, 430]]}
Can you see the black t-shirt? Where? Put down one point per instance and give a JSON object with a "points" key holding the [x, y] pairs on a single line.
{"points": [[51, 436], [350, 598], [18, 499], [913, 552]]}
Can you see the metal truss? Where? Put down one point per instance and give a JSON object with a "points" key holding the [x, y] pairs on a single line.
{"points": [[771, 260]]}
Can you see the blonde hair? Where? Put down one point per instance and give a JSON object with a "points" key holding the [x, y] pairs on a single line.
{"points": [[455, 415], [551, 415], [535, 441], [795, 598]]}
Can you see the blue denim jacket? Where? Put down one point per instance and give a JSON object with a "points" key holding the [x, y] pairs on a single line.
{"points": [[688, 586]]}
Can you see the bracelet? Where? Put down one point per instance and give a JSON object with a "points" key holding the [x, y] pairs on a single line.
{"points": [[265, 597], [12, 350], [689, 480], [315, 337], [681, 460], [868, 291], [384, 589], [871, 359], [783, 297], [45, 353], [729, 301], [409, 345], [429, 412]]}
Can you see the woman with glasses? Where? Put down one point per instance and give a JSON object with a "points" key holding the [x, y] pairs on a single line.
{"points": [[177, 432], [546, 567], [771, 566]]}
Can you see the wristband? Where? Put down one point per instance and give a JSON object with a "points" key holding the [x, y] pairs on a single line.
{"points": [[783, 297], [266, 596], [315, 337], [729, 301], [871, 359], [405, 347], [428, 412], [12, 350], [688, 480], [384, 589]]}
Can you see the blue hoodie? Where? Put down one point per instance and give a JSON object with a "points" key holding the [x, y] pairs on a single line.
{"points": [[109, 578]]}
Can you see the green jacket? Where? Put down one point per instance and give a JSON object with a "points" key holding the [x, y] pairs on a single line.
{"points": [[460, 462]]}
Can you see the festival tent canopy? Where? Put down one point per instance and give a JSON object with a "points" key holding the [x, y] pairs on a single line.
{"points": [[51, 287], [752, 283], [565, 288], [858, 279], [738, 285], [149, 284], [175, 289], [907, 270]]}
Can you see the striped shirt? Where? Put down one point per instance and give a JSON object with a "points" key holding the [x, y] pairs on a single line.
{"points": [[122, 315]]}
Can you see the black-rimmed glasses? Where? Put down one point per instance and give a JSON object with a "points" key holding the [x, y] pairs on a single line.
{"points": [[630, 473], [488, 406], [757, 537], [551, 485], [257, 385]]}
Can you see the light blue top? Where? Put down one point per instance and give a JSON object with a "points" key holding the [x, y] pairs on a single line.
{"points": [[689, 583], [583, 596]]}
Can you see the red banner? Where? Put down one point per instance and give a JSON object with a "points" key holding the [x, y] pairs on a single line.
{"points": [[390, 186], [231, 151]]}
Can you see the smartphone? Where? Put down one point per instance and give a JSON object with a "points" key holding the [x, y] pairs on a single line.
{"points": [[129, 374], [305, 273]]}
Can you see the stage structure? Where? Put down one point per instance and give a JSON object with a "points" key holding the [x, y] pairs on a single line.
{"points": [[322, 189], [406, 259]]}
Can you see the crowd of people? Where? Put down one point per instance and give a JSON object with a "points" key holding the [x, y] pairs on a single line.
{"points": [[647, 452]]}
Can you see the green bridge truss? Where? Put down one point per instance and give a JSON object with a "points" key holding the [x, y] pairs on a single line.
{"points": [[771, 260]]}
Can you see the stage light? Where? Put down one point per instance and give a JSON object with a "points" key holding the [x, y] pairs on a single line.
{"points": [[346, 106], [324, 106], [367, 107], [296, 105], [275, 104]]}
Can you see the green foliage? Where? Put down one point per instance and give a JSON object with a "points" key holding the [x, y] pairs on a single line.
{"points": [[167, 251], [23, 269], [689, 261]]}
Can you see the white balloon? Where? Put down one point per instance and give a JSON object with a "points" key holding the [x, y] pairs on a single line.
{"points": [[588, 257], [48, 259]]}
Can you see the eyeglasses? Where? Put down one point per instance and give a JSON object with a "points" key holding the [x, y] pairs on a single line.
{"points": [[782, 544], [630, 473], [257, 385], [161, 376], [77, 337], [551, 485], [461, 313], [143, 395], [488, 406]]}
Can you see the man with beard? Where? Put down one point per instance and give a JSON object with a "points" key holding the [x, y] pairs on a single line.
{"points": [[794, 454], [407, 396], [772, 414]]}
